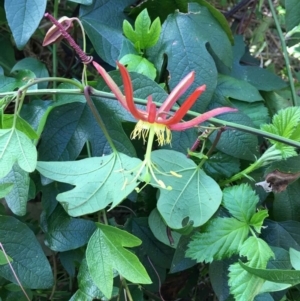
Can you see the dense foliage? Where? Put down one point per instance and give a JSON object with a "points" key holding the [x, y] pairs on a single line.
{"points": [[149, 151]]}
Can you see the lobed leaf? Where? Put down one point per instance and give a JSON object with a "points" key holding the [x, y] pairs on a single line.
{"points": [[98, 181], [228, 236], [106, 251]]}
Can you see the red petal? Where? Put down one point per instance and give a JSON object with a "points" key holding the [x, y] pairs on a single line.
{"points": [[179, 114], [176, 93], [129, 93], [111, 84], [200, 119], [151, 109]]}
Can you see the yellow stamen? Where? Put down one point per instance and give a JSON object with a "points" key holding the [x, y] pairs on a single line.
{"points": [[142, 128]]}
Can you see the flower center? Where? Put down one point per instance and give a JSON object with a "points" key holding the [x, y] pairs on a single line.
{"points": [[142, 128]]}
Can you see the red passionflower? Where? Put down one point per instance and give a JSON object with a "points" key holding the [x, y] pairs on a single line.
{"points": [[161, 120]]}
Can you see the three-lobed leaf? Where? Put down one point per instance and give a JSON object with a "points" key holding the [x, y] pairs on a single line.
{"points": [[220, 238], [98, 181], [16, 147], [145, 34], [106, 251]]}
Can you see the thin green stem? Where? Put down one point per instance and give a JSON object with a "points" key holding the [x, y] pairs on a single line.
{"points": [[94, 92], [98, 118], [285, 53], [104, 217], [124, 283]]}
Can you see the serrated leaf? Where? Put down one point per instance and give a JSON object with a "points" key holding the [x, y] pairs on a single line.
{"points": [[220, 238], [240, 201], [23, 18], [145, 34], [159, 230], [257, 220], [257, 251], [220, 166], [139, 64], [16, 147], [284, 123], [29, 261], [17, 198], [176, 206], [106, 251], [295, 258], [243, 285], [98, 181]]}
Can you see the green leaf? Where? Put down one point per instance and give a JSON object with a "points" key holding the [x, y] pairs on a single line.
{"points": [[240, 201], [284, 234], [17, 198], [242, 145], [220, 238], [98, 181], [5, 189], [243, 285], [106, 251], [176, 207], [257, 220], [23, 18], [3, 258], [7, 56], [145, 34], [84, 2], [180, 262], [241, 90], [279, 276], [63, 233], [70, 260], [16, 147], [286, 204], [159, 230], [284, 123], [36, 66], [221, 166], [29, 261], [260, 78], [70, 126], [102, 22], [177, 33], [159, 253], [136, 63], [257, 251], [257, 111], [295, 259], [292, 18], [88, 290], [20, 123]]}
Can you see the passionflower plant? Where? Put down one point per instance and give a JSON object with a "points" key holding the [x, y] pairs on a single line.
{"points": [[158, 121]]}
